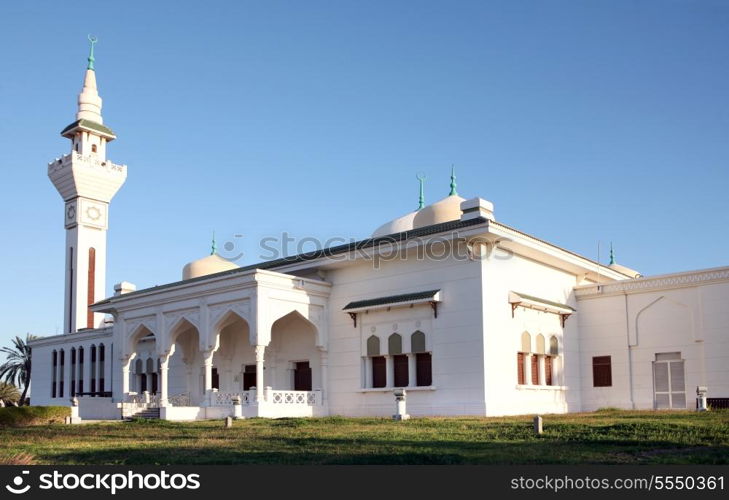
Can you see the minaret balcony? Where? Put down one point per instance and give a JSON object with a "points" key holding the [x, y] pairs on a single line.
{"points": [[90, 176]]}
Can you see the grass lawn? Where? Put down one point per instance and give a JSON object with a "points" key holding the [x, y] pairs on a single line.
{"points": [[606, 437]]}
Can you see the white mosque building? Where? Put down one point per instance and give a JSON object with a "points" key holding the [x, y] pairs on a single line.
{"points": [[469, 316]]}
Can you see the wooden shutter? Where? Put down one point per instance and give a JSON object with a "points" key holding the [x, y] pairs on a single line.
{"points": [[548, 370], [602, 375], [535, 370], [423, 369], [379, 373], [521, 374], [401, 370]]}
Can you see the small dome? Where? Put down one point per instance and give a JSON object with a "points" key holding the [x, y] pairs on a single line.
{"points": [[207, 265], [404, 223], [447, 209]]}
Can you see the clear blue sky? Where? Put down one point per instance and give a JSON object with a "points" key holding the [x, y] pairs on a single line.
{"points": [[582, 121]]}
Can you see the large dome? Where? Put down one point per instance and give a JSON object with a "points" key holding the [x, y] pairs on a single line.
{"points": [[447, 209], [404, 223], [207, 265]]}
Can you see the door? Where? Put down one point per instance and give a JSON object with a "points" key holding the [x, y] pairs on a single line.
{"points": [[302, 376], [249, 377], [669, 386]]}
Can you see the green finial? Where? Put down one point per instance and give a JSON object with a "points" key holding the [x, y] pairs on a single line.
{"points": [[214, 247], [612, 254], [453, 182], [93, 41], [421, 198]]}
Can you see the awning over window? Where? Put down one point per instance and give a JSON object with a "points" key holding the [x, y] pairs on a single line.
{"points": [[531, 302], [393, 300], [431, 297]]}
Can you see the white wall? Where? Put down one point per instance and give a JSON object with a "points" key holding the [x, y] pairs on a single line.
{"points": [[632, 328], [454, 336]]}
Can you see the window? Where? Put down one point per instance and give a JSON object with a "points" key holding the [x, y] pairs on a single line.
{"points": [[92, 387], [520, 368], [80, 370], [101, 368], [601, 372], [379, 376], [394, 344], [93, 148], [55, 369], [535, 369], [548, 379], [73, 372], [423, 373], [401, 370]]}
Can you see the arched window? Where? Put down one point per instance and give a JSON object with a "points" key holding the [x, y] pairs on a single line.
{"points": [[81, 370], [526, 342], [102, 353], [376, 363], [394, 344], [540, 344], [92, 385], [373, 346], [54, 361], [61, 370], [553, 346], [423, 359], [73, 372], [417, 342], [93, 148], [521, 358]]}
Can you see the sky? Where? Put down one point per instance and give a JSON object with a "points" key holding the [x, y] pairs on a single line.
{"points": [[584, 123]]}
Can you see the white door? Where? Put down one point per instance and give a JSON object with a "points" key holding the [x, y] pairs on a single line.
{"points": [[669, 386]]}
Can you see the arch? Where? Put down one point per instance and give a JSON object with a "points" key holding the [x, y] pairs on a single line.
{"points": [[553, 346], [140, 332], [540, 344], [417, 342], [138, 366], [394, 344], [526, 342], [149, 365], [373, 346], [308, 312]]}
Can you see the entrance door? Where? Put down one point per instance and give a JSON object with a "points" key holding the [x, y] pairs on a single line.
{"points": [[302, 376], [249, 377], [669, 384]]}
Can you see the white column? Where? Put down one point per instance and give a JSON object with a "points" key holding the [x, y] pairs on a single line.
{"points": [[324, 360], [412, 378], [389, 371], [207, 375], [125, 378], [260, 349], [163, 370], [367, 373]]}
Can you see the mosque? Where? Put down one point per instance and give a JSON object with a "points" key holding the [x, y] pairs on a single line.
{"points": [[444, 306]]}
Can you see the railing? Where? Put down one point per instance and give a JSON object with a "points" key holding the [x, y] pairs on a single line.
{"points": [[144, 400], [226, 398], [310, 398], [179, 400]]}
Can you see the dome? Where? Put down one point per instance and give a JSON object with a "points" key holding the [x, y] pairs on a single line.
{"points": [[207, 265], [447, 209], [404, 223]]}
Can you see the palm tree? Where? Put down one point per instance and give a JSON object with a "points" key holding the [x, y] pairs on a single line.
{"points": [[9, 393], [16, 369]]}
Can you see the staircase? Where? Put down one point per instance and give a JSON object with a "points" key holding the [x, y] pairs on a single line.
{"points": [[151, 413]]}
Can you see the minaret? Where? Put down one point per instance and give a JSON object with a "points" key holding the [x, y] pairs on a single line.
{"points": [[87, 182]]}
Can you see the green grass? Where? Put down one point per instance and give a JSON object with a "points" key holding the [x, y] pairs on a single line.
{"points": [[33, 415], [608, 437]]}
